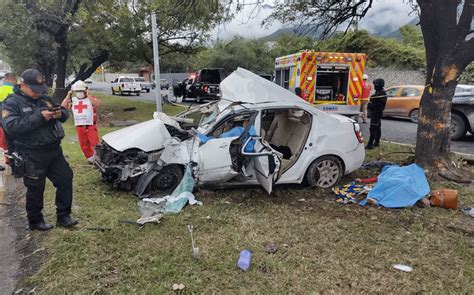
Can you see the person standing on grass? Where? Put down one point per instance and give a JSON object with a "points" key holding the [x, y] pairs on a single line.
{"points": [[34, 122], [364, 98], [84, 109], [376, 106]]}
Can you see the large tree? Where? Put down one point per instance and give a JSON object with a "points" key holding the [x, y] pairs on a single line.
{"points": [[80, 35], [448, 38]]}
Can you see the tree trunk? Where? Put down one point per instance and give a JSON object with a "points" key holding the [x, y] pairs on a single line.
{"points": [[61, 66], [433, 142]]}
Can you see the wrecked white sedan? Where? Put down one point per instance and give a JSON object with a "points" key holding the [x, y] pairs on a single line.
{"points": [[258, 133]]}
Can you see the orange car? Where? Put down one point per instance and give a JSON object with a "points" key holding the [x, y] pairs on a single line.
{"points": [[404, 101]]}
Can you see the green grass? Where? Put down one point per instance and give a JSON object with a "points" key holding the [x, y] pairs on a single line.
{"points": [[322, 246]]}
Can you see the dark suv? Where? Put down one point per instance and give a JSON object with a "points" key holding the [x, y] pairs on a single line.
{"points": [[462, 112], [203, 85]]}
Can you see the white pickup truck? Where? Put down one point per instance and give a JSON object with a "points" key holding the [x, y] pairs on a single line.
{"points": [[125, 85]]}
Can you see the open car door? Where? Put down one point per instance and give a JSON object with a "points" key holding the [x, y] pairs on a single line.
{"points": [[266, 161]]}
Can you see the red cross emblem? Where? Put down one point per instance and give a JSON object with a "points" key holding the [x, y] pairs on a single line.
{"points": [[80, 107]]}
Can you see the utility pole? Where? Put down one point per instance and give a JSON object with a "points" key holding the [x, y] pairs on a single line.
{"points": [[156, 59]]}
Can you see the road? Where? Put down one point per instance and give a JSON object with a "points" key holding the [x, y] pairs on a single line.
{"points": [[393, 129]]}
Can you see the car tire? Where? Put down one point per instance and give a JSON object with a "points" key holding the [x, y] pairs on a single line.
{"points": [[137, 93], [148, 91], [324, 172], [198, 99], [166, 181], [458, 127], [414, 114]]}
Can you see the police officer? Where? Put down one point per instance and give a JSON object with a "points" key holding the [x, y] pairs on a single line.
{"points": [[34, 122], [376, 107]]}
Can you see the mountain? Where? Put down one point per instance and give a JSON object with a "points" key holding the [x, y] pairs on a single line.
{"points": [[383, 30]]}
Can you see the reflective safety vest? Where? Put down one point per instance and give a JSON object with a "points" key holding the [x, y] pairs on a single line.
{"points": [[5, 90], [83, 111]]}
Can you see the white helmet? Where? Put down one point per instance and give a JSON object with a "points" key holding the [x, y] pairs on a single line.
{"points": [[365, 77], [79, 86]]}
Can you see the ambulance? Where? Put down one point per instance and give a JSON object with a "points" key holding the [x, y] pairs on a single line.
{"points": [[330, 80]]}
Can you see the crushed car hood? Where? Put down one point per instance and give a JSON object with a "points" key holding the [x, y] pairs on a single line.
{"points": [[138, 136], [247, 87]]}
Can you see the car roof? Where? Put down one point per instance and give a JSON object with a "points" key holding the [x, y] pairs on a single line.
{"points": [[246, 87]]}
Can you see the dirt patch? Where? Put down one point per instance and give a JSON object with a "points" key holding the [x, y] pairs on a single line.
{"points": [[20, 255]]}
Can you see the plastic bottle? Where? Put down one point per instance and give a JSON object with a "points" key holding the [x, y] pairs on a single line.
{"points": [[244, 260]]}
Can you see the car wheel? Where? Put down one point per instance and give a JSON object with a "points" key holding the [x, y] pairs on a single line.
{"points": [[198, 99], [148, 91], [166, 181], [325, 172], [458, 127], [137, 93], [414, 115]]}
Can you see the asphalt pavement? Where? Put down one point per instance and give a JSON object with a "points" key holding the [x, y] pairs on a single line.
{"points": [[393, 129]]}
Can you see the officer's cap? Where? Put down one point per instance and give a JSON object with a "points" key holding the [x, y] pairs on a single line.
{"points": [[35, 80]]}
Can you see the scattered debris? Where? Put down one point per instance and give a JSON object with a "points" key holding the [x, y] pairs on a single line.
{"points": [[151, 219], [403, 267], [37, 250], [244, 260], [302, 200], [469, 211], [377, 164], [445, 198], [346, 194], [100, 229], [399, 187], [131, 109], [178, 287], [208, 217], [169, 204], [195, 250], [271, 248]]}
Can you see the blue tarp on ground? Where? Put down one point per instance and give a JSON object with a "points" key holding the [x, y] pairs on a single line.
{"points": [[399, 187], [236, 131]]}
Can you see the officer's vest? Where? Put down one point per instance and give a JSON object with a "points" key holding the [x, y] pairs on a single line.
{"points": [[83, 111]]}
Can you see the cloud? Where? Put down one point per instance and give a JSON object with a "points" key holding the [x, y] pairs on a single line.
{"points": [[384, 16]]}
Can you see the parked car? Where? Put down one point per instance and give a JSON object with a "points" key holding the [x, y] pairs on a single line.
{"points": [[88, 81], [145, 85], [125, 85], [203, 85], [259, 133], [462, 112], [404, 101]]}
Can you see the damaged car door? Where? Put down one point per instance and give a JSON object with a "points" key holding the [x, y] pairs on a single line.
{"points": [[266, 161], [237, 151]]}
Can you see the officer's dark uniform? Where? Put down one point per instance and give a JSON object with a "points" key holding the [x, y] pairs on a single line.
{"points": [[37, 141], [376, 106]]}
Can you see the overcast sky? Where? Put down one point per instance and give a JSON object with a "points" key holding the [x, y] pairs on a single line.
{"points": [[390, 14]]}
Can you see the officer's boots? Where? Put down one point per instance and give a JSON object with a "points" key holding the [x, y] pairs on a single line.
{"points": [[66, 221], [41, 226]]}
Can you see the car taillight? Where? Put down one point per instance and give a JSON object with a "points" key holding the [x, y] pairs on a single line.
{"points": [[205, 88], [358, 133]]}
